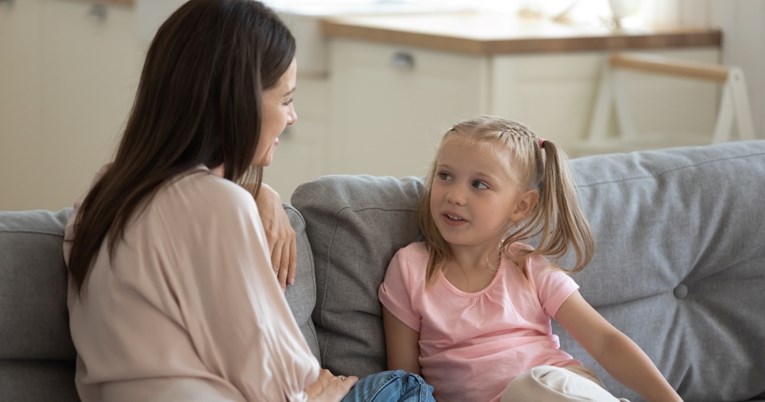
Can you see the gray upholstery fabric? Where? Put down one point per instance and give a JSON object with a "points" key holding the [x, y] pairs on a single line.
{"points": [[354, 224], [301, 295], [679, 265], [33, 315], [680, 262], [36, 351], [37, 381]]}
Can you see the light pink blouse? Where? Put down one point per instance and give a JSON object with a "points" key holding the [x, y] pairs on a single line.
{"points": [[187, 308]]}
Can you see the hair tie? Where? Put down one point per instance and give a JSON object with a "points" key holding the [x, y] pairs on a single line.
{"points": [[541, 142]]}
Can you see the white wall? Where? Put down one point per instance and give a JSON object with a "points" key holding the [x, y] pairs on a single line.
{"points": [[55, 58]]}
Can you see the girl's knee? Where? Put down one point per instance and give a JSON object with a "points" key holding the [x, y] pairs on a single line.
{"points": [[554, 384]]}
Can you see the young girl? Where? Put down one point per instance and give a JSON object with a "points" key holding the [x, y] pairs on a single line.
{"points": [[470, 307]]}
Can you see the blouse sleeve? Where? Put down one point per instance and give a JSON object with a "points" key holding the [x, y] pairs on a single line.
{"points": [[228, 297]]}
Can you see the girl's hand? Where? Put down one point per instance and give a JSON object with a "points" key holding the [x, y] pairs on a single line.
{"points": [[281, 236], [329, 388]]}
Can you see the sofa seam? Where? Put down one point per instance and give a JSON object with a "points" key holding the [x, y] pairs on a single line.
{"points": [[323, 346], [669, 171], [36, 232]]}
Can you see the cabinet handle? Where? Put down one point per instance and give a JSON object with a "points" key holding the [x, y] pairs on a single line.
{"points": [[403, 61], [98, 12]]}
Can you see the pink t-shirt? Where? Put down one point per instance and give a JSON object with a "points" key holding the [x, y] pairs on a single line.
{"points": [[473, 344]]}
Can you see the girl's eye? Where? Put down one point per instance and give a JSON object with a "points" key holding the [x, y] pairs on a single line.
{"points": [[443, 175], [480, 185], [288, 102]]}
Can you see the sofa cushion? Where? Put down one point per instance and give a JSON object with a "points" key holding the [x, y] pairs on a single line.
{"points": [[301, 295], [37, 381], [354, 224], [34, 322], [679, 264]]}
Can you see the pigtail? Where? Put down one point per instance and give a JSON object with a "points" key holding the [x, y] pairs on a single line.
{"points": [[558, 214]]}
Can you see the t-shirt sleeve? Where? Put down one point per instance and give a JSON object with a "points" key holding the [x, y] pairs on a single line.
{"points": [[395, 291], [553, 285]]}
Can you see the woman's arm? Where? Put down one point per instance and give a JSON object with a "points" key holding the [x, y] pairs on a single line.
{"points": [[280, 234], [401, 344], [616, 352]]}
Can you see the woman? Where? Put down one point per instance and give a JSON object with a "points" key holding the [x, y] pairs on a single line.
{"points": [[172, 295]]}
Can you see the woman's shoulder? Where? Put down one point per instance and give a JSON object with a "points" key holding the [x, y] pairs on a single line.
{"points": [[204, 187], [203, 196]]}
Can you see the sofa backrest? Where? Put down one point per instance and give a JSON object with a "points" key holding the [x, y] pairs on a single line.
{"points": [[679, 264], [36, 351]]}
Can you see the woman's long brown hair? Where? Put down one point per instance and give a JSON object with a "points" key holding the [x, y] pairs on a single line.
{"points": [[198, 103]]}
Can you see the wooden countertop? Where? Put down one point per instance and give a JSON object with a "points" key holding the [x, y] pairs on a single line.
{"points": [[122, 3], [129, 3], [493, 34]]}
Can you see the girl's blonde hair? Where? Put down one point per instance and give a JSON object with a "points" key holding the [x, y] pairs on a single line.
{"points": [[557, 217]]}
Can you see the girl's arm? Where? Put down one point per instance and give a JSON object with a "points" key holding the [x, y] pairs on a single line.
{"points": [[613, 350], [401, 344]]}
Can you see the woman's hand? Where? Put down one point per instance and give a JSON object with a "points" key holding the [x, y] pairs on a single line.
{"points": [[329, 388], [280, 234]]}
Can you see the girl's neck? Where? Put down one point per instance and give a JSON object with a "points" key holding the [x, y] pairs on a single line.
{"points": [[472, 271]]}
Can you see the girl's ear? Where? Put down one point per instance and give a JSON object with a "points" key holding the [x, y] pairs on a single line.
{"points": [[526, 203]]}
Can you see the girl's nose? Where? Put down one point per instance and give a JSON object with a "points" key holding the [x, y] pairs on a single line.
{"points": [[455, 197]]}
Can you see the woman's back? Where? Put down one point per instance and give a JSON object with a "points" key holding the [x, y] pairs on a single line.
{"points": [[179, 311]]}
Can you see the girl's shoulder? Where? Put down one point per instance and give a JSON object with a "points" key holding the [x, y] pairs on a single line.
{"points": [[417, 248], [411, 258], [415, 253], [534, 263]]}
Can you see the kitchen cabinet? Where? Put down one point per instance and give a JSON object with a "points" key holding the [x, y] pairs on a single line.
{"points": [[387, 118], [390, 104], [397, 84], [555, 95]]}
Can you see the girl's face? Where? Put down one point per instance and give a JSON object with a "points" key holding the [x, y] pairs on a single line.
{"points": [[278, 112], [476, 195]]}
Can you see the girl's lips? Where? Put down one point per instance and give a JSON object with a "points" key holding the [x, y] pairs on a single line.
{"points": [[452, 219]]}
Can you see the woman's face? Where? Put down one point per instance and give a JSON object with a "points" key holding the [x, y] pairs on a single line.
{"points": [[278, 112]]}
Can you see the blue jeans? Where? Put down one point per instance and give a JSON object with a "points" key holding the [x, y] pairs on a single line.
{"points": [[391, 386]]}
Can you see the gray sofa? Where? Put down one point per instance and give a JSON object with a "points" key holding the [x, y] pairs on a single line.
{"points": [[679, 267]]}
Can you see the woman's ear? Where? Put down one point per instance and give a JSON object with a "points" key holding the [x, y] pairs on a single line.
{"points": [[525, 205]]}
